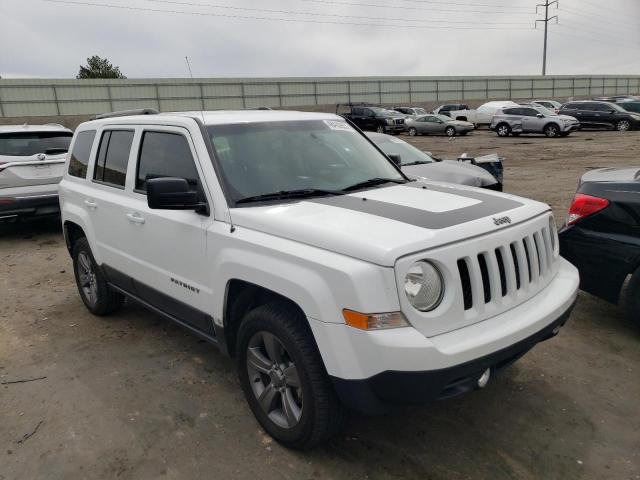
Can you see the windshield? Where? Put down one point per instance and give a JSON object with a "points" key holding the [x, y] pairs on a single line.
{"points": [[25, 144], [545, 111], [409, 154], [444, 118], [383, 111], [631, 107], [419, 111], [268, 157]]}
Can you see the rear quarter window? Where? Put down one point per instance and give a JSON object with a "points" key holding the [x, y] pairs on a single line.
{"points": [[80, 154]]}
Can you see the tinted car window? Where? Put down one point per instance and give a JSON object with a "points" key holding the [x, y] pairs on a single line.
{"points": [[512, 111], [164, 154], [529, 112], [25, 144], [356, 111], [632, 106], [80, 153], [601, 107], [113, 157]]}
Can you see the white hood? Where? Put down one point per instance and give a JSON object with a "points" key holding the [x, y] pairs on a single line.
{"points": [[384, 224]]}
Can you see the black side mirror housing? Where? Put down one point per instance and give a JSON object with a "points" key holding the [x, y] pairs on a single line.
{"points": [[539, 115], [395, 158], [170, 193]]}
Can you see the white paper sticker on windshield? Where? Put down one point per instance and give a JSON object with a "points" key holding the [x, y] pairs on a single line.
{"points": [[338, 125]]}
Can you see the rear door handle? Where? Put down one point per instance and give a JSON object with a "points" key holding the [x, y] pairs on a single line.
{"points": [[91, 204], [135, 218]]}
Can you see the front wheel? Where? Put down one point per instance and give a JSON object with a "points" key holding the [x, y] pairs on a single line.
{"points": [[413, 132], [552, 130], [284, 379], [503, 130], [99, 298], [380, 129], [623, 126], [450, 132]]}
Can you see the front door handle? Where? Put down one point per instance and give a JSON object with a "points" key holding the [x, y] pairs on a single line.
{"points": [[135, 218], [91, 204]]}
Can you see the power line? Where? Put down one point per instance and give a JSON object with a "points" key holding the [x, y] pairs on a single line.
{"points": [[403, 7], [595, 16], [546, 21], [273, 19], [315, 14]]}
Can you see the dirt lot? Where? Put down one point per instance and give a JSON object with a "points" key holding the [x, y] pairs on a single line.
{"points": [[132, 396]]}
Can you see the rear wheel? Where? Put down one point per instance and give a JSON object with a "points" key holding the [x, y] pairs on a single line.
{"points": [[503, 130], [552, 130], [450, 132], [623, 126], [284, 379], [97, 295], [413, 132]]}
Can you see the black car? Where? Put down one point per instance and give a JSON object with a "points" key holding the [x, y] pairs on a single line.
{"points": [[592, 114], [372, 118], [602, 236]]}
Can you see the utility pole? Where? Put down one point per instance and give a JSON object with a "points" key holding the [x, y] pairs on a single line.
{"points": [[547, 19]]}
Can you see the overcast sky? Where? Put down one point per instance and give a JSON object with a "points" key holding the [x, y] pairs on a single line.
{"points": [[150, 38]]}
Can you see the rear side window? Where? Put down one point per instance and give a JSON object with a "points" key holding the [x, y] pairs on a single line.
{"points": [[80, 153], [25, 144], [164, 154], [511, 111], [113, 157], [570, 106], [601, 107]]}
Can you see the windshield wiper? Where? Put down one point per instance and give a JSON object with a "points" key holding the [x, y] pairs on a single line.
{"points": [[417, 162], [286, 194], [372, 182]]}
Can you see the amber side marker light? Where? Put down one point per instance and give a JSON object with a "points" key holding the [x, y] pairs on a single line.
{"points": [[374, 321]]}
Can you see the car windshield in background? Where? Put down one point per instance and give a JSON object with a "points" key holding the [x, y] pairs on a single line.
{"points": [[409, 155], [631, 107], [25, 144], [420, 111], [444, 118], [271, 157], [545, 111]]}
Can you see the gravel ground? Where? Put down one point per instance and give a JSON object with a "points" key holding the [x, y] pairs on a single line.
{"points": [[132, 396]]}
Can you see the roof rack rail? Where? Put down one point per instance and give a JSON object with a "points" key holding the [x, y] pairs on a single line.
{"points": [[54, 125], [126, 113]]}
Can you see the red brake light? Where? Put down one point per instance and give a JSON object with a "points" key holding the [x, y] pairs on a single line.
{"points": [[584, 206]]}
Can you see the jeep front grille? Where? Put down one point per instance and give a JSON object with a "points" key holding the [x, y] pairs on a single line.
{"points": [[491, 276]]}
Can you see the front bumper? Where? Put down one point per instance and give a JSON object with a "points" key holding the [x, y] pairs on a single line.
{"points": [[570, 127], [375, 369], [395, 128]]}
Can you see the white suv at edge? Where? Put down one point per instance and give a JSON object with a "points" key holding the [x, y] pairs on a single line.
{"points": [[31, 165], [296, 246]]}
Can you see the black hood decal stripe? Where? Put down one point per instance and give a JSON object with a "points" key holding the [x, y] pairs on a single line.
{"points": [[490, 205]]}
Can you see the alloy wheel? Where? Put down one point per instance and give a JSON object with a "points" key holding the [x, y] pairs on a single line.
{"points": [[87, 278], [274, 379], [503, 130], [623, 126], [413, 132]]}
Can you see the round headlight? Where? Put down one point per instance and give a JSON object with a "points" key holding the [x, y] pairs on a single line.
{"points": [[423, 286]]}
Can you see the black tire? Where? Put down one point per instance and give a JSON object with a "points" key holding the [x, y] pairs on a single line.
{"points": [[380, 129], [322, 415], [551, 130], [106, 300], [450, 132], [623, 126], [631, 300], [413, 132], [503, 129]]}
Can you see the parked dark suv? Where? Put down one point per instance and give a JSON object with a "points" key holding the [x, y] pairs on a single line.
{"points": [[609, 115], [372, 118]]}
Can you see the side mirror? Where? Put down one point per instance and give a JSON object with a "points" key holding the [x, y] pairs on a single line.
{"points": [[395, 158], [539, 115], [612, 111], [171, 194]]}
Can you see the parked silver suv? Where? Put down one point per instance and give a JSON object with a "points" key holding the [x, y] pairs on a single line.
{"points": [[532, 119], [31, 165]]}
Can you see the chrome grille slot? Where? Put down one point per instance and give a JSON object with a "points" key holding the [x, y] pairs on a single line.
{"points": [[526, 253]]}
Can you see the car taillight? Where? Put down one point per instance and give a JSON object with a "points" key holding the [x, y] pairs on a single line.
{"points": [[584, 206]]}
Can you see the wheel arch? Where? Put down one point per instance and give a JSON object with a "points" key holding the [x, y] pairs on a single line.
{"points": [[72, 232]]}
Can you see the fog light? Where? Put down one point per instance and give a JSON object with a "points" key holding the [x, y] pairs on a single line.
{"points": [[484, 378]]}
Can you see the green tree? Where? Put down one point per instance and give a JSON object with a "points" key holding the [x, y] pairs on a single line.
{"points": [[99, 68]]}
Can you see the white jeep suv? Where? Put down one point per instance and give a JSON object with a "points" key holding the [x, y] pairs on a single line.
{"points": [[31, 165], [291, 242]]}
